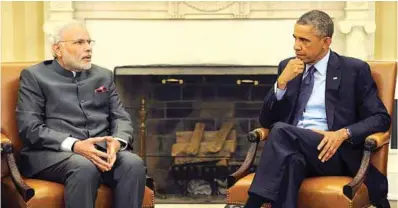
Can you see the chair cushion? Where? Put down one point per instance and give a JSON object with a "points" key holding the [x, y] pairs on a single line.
{"points": [[325, 192], [51, 195]]}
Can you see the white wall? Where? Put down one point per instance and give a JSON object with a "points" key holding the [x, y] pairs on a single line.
{"points": [[131, 42], [255, 33]]}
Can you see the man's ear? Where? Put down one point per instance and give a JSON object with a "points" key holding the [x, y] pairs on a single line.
{"points": [[328, 41], [56, 50]]}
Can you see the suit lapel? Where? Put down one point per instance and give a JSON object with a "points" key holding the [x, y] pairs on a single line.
{"points": [[333, 78]]}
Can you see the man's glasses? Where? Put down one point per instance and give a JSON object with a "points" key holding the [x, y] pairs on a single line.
{"points": [[79, 42]]}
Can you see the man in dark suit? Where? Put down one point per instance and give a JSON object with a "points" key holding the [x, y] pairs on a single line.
{"points": [[319, 112], [73, 125]]}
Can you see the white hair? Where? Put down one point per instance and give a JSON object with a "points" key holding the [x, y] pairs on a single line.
{"points": [[56, 32]]}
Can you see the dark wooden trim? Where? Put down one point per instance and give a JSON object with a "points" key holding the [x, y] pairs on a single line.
{"points": [[24, 190], [351, 188], [244, 168]]}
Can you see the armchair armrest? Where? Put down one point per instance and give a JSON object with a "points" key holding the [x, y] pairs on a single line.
{"points": [[24, 190], [262, 134], [381, 139], [372, 143], [6, 144]]}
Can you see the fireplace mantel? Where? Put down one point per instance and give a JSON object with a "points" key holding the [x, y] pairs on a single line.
{"points": [[243, 33], [202, 69]]}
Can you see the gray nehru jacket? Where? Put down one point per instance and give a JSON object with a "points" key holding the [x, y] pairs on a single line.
{"points": [[53, 104]]}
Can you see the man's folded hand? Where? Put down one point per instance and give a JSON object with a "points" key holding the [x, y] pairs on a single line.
{"points": [[87, 149], [113, 146]]}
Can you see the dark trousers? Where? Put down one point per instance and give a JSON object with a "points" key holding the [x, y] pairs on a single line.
{"points": [[290, 154], [82, 180]]}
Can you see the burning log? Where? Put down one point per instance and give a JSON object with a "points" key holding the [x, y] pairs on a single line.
{"points": [[189, 150]]}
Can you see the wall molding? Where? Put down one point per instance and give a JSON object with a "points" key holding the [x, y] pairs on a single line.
{"points": [[201, 10], [354, 20]]}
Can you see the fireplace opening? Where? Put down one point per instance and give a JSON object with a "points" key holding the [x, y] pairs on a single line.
{"points": [[191, 124]]}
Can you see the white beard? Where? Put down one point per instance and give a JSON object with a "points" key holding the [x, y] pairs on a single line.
{"points": [[74, 63]]}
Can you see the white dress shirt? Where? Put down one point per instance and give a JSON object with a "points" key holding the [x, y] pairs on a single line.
{"points": [[314, 115]]}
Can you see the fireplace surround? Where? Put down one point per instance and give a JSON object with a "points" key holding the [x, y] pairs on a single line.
{"points": [[167, 102]]}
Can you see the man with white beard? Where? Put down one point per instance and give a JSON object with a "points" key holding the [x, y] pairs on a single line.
{"points": [[73, 125]]}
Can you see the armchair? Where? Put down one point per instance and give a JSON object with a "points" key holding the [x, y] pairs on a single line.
{"points": [[18, 191], [331, 191]]}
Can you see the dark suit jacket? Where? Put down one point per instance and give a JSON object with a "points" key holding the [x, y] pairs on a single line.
{"points": [[351, 101], [53, 105]]}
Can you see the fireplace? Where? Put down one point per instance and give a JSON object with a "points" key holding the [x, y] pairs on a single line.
{"points": [[208, 108]]}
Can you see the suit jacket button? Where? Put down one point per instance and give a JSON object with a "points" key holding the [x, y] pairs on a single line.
{"points": [[82, 101], [87, 114]]}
